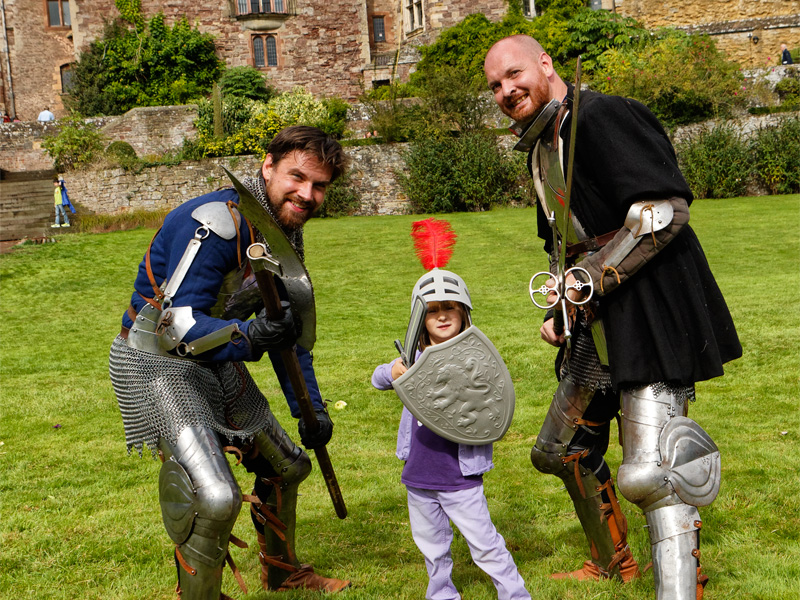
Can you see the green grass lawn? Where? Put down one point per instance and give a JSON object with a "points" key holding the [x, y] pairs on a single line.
{"points": [[79, 518]]}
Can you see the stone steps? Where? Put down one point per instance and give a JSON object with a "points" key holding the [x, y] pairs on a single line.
{"points": [[26, 207]]}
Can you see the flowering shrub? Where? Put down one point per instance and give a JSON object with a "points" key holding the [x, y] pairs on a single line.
{"points": [[249, 125]]}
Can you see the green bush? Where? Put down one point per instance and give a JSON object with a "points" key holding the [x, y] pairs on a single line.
{"points": [[396, 119], [716, 163], [335, 122], [246, 82], [249, 125], [465, 173], [681, 78], [123, 155], [341, 198], [776, 157], [788, 90], [77, 144]]}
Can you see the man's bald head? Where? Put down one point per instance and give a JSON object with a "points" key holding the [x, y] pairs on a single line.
{"points": [[521, 76], [524, 42]]}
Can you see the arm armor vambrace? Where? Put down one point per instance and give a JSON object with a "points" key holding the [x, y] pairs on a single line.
{"points": [[649, 226]]}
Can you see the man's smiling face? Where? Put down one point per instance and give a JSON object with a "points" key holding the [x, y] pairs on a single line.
{"points": [[518, 79], [295, 186]]}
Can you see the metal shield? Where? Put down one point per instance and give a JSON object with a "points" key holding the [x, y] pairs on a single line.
{"points": [[460, 389]]}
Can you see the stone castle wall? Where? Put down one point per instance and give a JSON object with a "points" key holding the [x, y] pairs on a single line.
{"points": [[149, 130], [114, 191], [749, 31]]}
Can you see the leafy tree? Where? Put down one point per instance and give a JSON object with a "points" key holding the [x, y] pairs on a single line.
{"points": [[150, 65], [592, 32], [681, 78], [246, 82]]}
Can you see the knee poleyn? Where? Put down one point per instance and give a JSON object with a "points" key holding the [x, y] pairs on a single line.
{"points": [[640, 483], [295, 469], [546, 462]]}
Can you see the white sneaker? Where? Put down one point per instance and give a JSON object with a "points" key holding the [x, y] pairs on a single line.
{"points": [[65, 225], [55, 225]]}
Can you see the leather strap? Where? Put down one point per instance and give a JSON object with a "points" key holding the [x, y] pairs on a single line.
{"points": [[123, 333], [183, 563], [591, 244], [234, 568], [574, 458]]}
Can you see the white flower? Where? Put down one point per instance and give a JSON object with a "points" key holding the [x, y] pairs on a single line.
{"points": [[340, 404]]}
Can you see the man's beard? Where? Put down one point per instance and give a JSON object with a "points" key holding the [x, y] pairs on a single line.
{"points": [[286, 218], [538, 97]]}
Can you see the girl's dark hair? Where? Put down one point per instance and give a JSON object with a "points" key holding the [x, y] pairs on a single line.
{"points": [[425, 338], [312, 140]]}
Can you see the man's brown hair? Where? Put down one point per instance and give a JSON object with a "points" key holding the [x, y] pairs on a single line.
{"points": [[316, 142]]}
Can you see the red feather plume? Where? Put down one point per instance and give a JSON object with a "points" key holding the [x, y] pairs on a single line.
{"points": [[433, 240]]}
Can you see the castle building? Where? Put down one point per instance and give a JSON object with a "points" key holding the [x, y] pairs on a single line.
{"points": [[331, 47]]}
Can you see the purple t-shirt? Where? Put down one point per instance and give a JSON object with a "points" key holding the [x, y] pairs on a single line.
{"points": [[433, 463]]}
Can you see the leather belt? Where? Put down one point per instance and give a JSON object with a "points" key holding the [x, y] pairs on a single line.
{"points": [[591, 244], [123, 333]]}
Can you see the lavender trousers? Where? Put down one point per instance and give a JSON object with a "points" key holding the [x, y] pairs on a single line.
{"points": [[430, 513]]}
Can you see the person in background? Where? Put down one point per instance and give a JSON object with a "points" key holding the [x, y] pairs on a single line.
{"points": [[46, 115], [786, 56]]}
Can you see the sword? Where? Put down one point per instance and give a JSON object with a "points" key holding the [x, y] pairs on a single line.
{"points": [[560, 287], [265, 266]]}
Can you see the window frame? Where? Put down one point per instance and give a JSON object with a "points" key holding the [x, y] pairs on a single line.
{"points": [[268, 48], [413, 16], [382, 20], [60, 4]]}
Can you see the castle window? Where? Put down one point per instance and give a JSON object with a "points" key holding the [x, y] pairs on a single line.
{"points": [[379, 29], [262, 57], [255, 7], [258, 51], [272, 52], [414, 15], [66, 79], [58, 13], [529, 8]]}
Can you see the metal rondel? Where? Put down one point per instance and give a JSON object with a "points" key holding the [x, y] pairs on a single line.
{"points": [[545, 290]]}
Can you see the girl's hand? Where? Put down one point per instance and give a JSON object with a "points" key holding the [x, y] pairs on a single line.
{"points": [[398, 368]]}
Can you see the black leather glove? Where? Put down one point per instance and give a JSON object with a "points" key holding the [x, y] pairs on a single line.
{"points": [[322, 435], [266, 334]]}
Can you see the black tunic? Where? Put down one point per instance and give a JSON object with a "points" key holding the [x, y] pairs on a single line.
{"points": [[669, 321]]}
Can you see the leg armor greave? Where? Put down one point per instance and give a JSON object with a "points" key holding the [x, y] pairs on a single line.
{"points": [[275, 505], [580, 465], [670, 467], [200, 501]]}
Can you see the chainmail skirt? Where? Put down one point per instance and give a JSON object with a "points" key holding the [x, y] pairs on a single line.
{"points": [[160, 396]]}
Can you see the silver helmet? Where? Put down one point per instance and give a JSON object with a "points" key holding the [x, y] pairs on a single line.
{"points": [[439, 285]]}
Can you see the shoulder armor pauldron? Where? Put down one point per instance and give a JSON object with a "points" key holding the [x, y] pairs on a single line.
{"points": [[217, 217]]}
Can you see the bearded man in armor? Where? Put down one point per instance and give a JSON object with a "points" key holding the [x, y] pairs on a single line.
{"points": [[657, 324], [178, 370]]}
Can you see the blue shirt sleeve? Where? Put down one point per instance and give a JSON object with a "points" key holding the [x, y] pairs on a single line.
{"points": [[307, 367]]}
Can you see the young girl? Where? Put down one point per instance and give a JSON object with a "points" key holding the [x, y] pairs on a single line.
{"points": [[445, 479]]}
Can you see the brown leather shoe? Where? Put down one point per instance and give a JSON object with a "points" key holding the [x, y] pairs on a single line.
{"points": [[587, 572], [305, 578], [628, 570]]}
